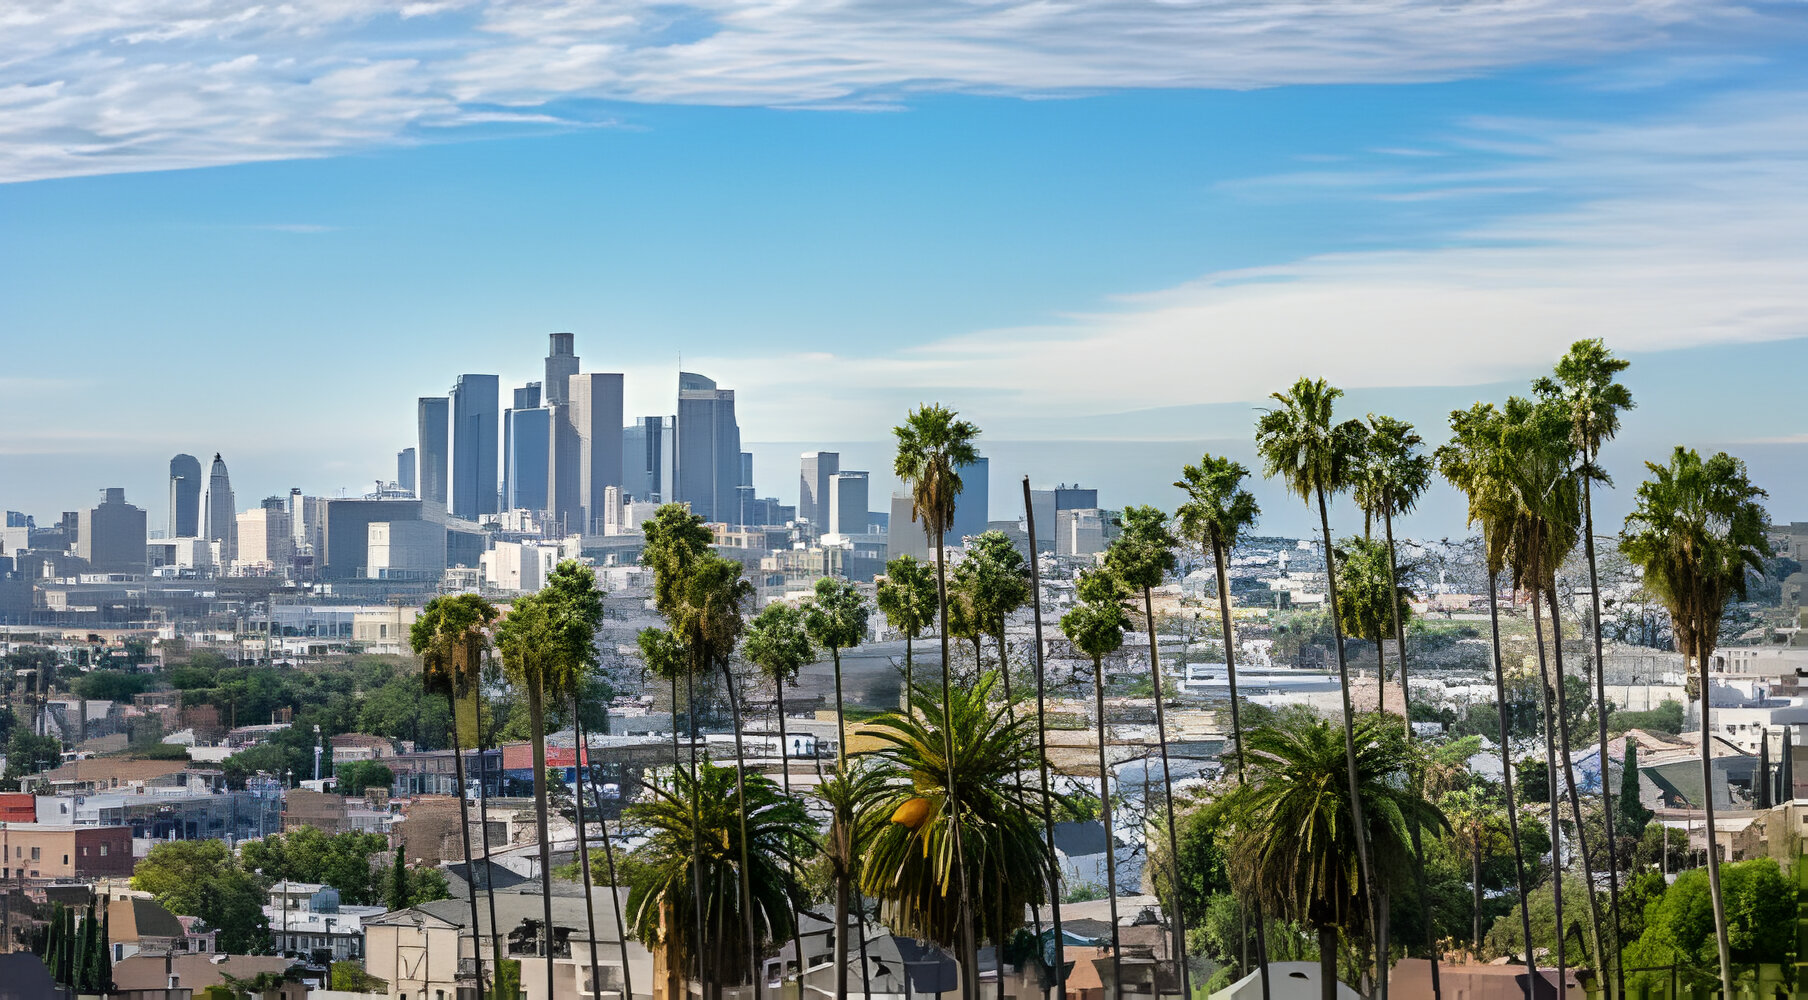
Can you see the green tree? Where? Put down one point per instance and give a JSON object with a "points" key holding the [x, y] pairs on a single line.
{"points": [[1697, 530], [778, 643], [662, 892], [201, 878], [853, 796], [906, 596], [1369, 600], [1683, 926], [934, 444], [355, 777], [835, 618], [1476, 828], [1295, 846], [1096, 627]]}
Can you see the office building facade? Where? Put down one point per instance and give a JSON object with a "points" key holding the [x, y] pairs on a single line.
{"points": [[527, 436], [476, 422], [647, 459], [561, 365], [596, 413], [222, 510], [847, 503], [432, 449], [813, 486], [709, 448], [404, 470], [184, 497], [112, 536]]}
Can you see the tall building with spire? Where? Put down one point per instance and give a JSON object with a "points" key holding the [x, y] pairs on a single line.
{"points": [[184, 497], [222, 512]]}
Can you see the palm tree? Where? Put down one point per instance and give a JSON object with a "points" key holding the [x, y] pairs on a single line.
{"points": [[906, 596], [1142, 557], [907, 863], [1391, 476], [1585, 384], [1369, 601], [854, 797], [1217, 510], [1474, 819], [449, 636], [1048, 812], [778, 644], [547, 641], [1473, 463], [1542, 482], [835, 619], [1297, 829], [1313, 456], [577, 605], [1096, 627], [668, 880], [934, 444], [1697, 530]]}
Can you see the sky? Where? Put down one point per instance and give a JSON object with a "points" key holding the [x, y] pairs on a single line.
{"points": [[1103, 231]]}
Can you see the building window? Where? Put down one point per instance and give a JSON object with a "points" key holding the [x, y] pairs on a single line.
{"points": [[35, 856], [103, 850]]}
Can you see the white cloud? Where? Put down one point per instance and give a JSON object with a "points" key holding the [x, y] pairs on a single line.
{"points": [[97, 86], [1680, 233]]}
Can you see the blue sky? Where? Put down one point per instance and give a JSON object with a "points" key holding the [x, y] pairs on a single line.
{"points": [[1104, 231]]}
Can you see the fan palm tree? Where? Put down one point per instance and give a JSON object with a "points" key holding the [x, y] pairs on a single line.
{"points": [[1369, 601], [664, 885], [906, 596], [1142, 557], [1475, 829], [1473, 463], [1697, 531], [1585, 385], [1096, 627], [854, 797], [449, 636], [835, 618], [778, 644], [547, 642], [575, 600], [1542, 481], [907, 864], [1296, 836], [1036, 665], [934, 444], [1217, 510], [1299, 442], [1390, 477]]}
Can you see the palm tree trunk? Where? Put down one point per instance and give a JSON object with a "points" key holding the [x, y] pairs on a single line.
{"points": [[1418, 847], [1236, 732], [581, 764], [910, 685], [1098, 689], [1475, 877], [1167, 781], [1381, 679], [1550, 773], [842, 893], [536, 711], [969, 945], [483, 819], [464, 829], [1010, 709], [711, 987], [1703, 652], [1613, 868], [753, 941], [844, 877], [1575, 799], [1360, 827], [621, 928], [784, 756], [1048, 813], [1327, 962], [1506, 769]]}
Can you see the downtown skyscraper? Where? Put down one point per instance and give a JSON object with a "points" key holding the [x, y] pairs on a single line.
{"points": [[222, 512], [432, 449], [476, 418], [709, 449], [184, 497]]}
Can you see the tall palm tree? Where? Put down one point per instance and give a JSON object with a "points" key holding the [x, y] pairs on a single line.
{"points": [[934, 444], [449, 636], [1048, 814], [1475, 828], [1473, 462], [906, 596], [1217, 510], [1369, 601], [835, 618], [664, 884], [547, 642], [907, 863], [708, 621], [577, 605], [1697, 530], [1096, 627], [587, 787], [1542, 480], [1142, 556], [778, 644], [1585, 385], [1299, 442], [1297, 829], [854, 796]]}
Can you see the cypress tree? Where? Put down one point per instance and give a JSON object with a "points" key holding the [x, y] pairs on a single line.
{"points": [[398, 881], [1632, 812], [77, 954], [53, 942], [103, 956]]}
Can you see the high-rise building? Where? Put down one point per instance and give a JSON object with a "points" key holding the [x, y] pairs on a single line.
{"points": [[184, 497], [222, 512], [647, 459], [709, 448], [596, 411], [561, 364], [298, 516], [112, 536], [476, 422], [564, 457], [847, 503], [746, 469], [528, 436], [266, 539], [404, 470], [433, 454], [813, 487], [1047, 505], [905, 534], [524, 434], [973, 507]]}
